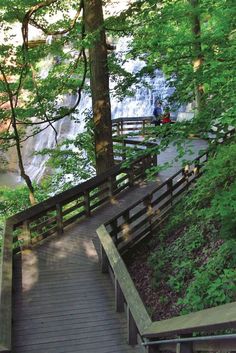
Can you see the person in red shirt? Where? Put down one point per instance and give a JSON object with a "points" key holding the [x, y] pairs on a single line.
{"points": [[166, 117]]}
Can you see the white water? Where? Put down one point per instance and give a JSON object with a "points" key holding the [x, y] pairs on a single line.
{"points": [[141, 104]]}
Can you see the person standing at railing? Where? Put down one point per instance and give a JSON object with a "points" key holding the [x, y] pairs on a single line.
{"points": [[157, 113], [166, 116]]}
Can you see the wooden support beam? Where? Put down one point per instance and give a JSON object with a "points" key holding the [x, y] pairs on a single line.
{"points": [[170, 189], [132, 330], [59, 219], [104, 260], [25, 234], [186, 347], [87, 203], [119, 298]]}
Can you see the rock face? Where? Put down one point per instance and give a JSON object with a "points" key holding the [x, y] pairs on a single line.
{"points": [[9, 161]]}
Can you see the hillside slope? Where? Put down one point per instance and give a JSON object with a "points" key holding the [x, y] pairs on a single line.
{"points": [[190, 263]]}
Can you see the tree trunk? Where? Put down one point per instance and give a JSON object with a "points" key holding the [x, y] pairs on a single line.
{"points": [[198, 55], [17, 140], [99, 81]]}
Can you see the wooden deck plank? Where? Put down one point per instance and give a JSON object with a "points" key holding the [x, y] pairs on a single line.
{"points": [[62, 303]]}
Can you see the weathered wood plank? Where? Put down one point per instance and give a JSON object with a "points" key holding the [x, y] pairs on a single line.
{"points": [[220, 317], [136, 306]]}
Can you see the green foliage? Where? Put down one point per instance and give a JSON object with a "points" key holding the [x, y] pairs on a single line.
{"points": [[196, 255], [72, 161], [214, 283], [14, 200], [164, 38]]}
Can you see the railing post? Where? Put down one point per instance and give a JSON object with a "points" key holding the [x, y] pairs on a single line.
{"points": [[110, 186], [132, 330], [59, 219], [170, 189], [114, 230], [123, 150], [126, 216], [196, 167], [147, 203], [26, 235], [144, 127], [125, 227], [119, 298], [104, 260], [131, 176], [184, 347], [120, 128], [186, 174], [87, 203]]}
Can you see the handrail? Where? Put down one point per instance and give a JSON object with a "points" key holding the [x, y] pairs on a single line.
{"points": [[52, 216], [219, 317], [192, 339], [145, 215], [65, 195], [123, 126], [124, 229], [127, 286], [136, 119]]}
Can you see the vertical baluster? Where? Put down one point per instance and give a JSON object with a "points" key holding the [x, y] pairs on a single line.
{"points": [[104, 260], [119, 298], [196, 167], [154, 160], [144, 125], [170, 189], [121, 128], [118, 128], [147, 203], [126, 226], [186, 174], [123, 150], [110, 187], [87, 203], [184, 347], [59, 219], [26, 234], [131, 176], [126, 216], [132, 330]]}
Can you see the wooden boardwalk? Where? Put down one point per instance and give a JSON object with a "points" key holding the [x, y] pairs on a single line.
{"points": [[62, 302]]}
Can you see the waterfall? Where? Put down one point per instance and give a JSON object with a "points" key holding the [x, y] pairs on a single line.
{"points": [[141, 104]]}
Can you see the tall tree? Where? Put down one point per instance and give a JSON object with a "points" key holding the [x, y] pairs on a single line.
{"points": [[198, 55], [99, 83], [32, 98], [192, 42]]}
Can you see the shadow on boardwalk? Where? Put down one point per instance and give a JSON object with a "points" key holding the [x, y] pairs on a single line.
{"points": [[62, 302]]}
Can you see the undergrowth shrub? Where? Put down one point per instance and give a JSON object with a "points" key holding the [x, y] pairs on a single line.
{"points": [[196, 253]]}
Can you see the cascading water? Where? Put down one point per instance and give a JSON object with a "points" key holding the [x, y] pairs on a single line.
{"points": [[141, 104]]}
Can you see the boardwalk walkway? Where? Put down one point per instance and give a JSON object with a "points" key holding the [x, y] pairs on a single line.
{"points": [[62, 302]]}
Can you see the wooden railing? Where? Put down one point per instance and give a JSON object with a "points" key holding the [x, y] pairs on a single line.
{"points": [[130, 147], [51, 217], [124, 231], [145, 216], [126, 126]]}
